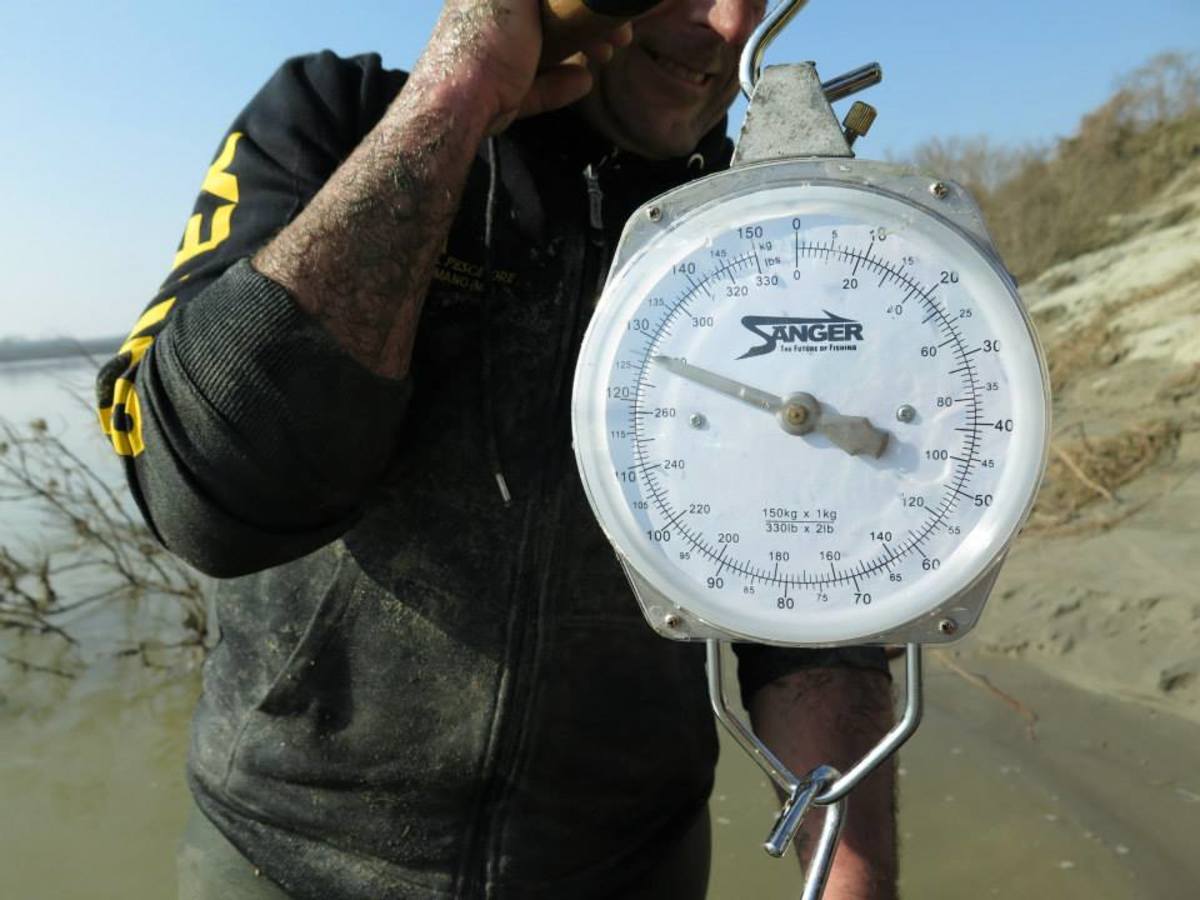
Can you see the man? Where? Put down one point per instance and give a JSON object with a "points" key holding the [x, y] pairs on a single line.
{"points": [[349, 403]]}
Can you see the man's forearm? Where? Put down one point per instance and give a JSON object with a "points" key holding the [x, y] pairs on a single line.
{"points": [[360, 257], [835, 716]]}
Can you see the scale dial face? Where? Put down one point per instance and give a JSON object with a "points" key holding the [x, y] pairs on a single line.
{"points": [[810, 414]]}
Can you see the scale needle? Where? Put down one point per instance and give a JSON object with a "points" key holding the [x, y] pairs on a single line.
{"points": [[727, 386], [798, 413]]}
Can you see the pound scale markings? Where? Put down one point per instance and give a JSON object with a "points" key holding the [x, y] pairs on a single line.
{"points": [[682, 305]]}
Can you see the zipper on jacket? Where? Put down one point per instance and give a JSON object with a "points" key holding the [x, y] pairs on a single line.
{"points": [[527, 641], [595, 200], [600, 259]]}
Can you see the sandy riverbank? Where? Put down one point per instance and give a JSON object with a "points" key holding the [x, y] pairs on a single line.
{"points": [[1103, 587], [1100, 801]]}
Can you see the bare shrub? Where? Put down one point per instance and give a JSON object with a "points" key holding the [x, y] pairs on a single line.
{"points": [[978, 163], [1167, 87], [1044, 206], [98, 554]]}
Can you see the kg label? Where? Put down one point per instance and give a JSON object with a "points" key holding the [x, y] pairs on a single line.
{"points": [[792, 335]]}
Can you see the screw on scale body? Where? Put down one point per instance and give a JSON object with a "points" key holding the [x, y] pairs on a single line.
{"points": [[858, 121]]}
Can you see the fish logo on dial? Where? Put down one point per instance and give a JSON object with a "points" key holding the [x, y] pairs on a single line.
{"points": [[799, 333]]}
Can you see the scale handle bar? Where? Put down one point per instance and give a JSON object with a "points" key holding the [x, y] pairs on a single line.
{"points": [[569, 25], [852, 82]]}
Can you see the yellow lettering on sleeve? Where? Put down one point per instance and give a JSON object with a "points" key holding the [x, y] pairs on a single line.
{"points": [[122, 421], [219, 183]]}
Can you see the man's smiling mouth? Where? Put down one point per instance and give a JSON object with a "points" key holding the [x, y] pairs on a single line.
{"points": [[678, 69]]}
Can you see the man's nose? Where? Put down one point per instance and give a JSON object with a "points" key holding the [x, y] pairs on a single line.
{"points": [[734, 20]]}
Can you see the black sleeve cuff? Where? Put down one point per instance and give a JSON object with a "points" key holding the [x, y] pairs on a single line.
{"points": [[760, 664], [263, 415]]}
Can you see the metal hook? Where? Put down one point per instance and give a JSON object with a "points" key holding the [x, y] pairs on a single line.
{"points": [[768, 29], [766, 32], [794, 811], [821, 863], [833, 786]]}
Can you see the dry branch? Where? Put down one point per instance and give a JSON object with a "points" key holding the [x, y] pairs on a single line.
{"points": [[1081, 475], [95, 535], [980, 681]]}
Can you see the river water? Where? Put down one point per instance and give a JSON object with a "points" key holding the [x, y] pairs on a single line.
{"points": [[91, 783], [1103, 803]]}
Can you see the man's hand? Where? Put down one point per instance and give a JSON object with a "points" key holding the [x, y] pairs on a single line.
{"points": [[500, 41], [835, 716]]}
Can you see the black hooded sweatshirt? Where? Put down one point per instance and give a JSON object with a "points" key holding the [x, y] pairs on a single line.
{"points": [[419, 689]]}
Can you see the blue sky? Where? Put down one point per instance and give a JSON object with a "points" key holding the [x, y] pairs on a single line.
{"points": [[112, 111]]}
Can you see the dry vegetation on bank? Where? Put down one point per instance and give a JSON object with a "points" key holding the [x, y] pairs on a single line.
{"points": [[1104, 186], [1103, 232], [96, 558], [1048, 205]]}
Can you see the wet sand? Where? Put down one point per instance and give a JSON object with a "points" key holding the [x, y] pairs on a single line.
{"points": [[1103, 802]]}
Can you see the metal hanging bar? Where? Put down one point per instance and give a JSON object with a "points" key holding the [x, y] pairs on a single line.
{"points": [[914, 707], [756, 47], [852, 82], [759, 752], [768, 29]]}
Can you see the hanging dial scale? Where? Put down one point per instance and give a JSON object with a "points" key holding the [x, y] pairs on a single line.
{"points": [[810, 409]]}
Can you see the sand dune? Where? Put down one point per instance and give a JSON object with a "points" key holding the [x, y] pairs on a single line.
{"points": [[1103, 587]]}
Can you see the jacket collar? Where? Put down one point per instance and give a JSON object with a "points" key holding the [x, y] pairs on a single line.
{"points": [[565, 134]]}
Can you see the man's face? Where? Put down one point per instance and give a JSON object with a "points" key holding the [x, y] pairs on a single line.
{"points": [[660, 95]]}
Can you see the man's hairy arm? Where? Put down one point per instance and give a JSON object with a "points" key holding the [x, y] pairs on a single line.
{"points": [[360, 257], [835, 715]]}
